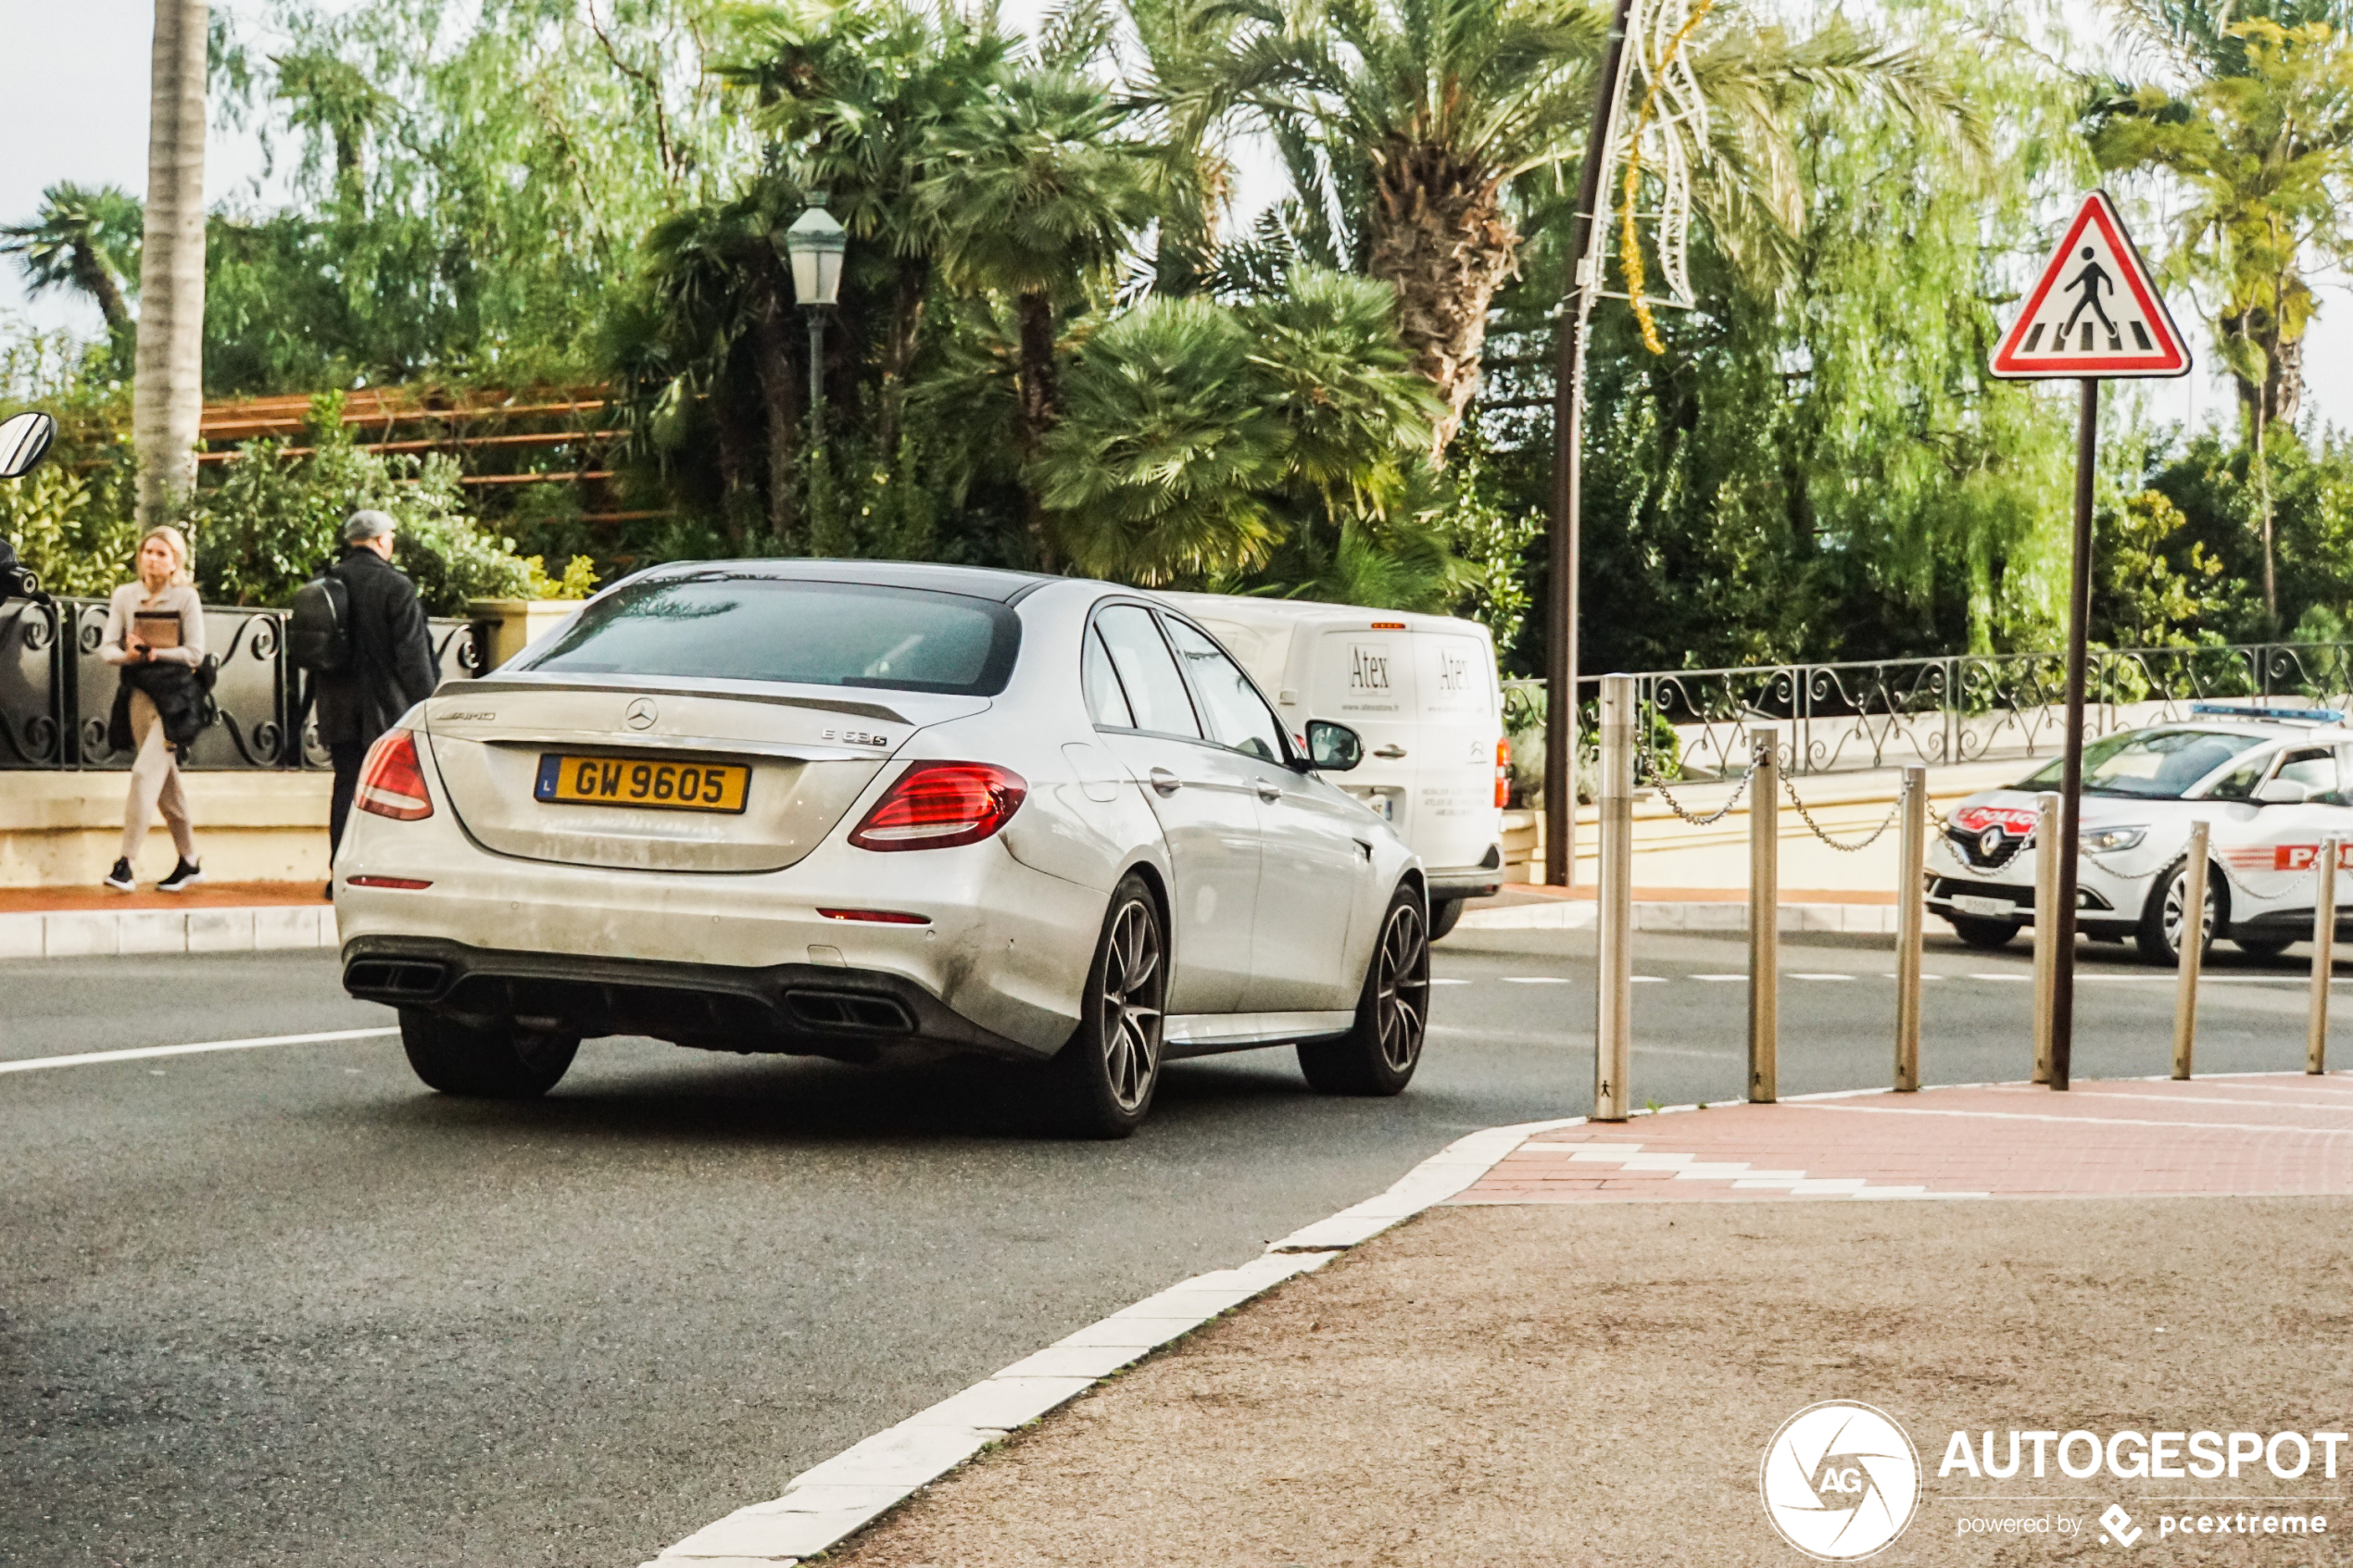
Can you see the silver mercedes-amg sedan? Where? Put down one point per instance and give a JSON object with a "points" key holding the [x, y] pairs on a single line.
{"points": [[839, 808]]}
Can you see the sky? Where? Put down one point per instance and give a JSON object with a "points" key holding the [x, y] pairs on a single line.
{"points": [[74, 107]]}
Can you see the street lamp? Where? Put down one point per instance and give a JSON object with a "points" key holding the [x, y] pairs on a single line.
{"points": [[814, 244]]}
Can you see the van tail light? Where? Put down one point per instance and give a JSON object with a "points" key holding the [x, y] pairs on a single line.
{"points": [[1504, 772], [392, 781], [939, 805]]}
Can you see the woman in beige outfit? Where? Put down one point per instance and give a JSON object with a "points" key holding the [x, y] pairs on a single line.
{"points": [[163, 589]]}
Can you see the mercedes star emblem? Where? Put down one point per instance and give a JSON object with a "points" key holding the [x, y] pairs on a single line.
{"points": [[641, 714]]}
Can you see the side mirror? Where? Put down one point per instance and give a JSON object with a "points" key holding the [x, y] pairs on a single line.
{"points": [[24, 441], [1333, 749], [2281, 792]]}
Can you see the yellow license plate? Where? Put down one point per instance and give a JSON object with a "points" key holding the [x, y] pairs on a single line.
{"points": [[661, 786]]}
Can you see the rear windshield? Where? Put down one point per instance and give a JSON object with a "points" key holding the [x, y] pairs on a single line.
{"points": [[2158, 764], [812, 633]]}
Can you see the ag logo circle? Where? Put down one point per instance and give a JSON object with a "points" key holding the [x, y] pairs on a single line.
{"points": [[1841, 1481]]}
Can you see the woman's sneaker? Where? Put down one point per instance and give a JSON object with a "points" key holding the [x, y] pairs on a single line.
{"points": [[120, 879], [183, 876]]}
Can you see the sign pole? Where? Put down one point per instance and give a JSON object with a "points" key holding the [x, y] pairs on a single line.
{"points": [[2079, 614]]}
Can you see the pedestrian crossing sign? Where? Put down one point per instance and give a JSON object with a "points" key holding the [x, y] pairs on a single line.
{"points": [[2094, 313]]}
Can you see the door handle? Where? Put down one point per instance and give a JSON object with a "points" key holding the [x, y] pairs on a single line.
{"points": [[1390, 752], [1165, 782], [1269, 791]]}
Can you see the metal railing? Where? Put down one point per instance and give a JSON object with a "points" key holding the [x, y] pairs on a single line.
{"points": [[1889, 713], [55, 693]]}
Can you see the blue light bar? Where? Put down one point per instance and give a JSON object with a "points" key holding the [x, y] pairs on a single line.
{"points": [[2300, 715]]}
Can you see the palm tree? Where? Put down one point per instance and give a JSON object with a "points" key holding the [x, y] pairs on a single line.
{"points": [[1034, 196], [81, 239], [167, 401], [1410, 125]]}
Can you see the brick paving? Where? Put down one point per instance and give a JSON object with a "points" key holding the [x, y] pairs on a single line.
{"points": [[2241, 1136]]}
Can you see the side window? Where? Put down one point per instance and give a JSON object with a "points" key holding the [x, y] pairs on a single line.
{"points": [[1237, 717], [1148, 675], [1106, 704], [2239, 784], [2316, 771]]}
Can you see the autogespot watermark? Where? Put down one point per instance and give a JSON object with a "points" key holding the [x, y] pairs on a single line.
{"points": [[1841, 1481]]}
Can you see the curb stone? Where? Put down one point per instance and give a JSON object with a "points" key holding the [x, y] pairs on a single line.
{"points": [[72, 933], [823, 1505]]}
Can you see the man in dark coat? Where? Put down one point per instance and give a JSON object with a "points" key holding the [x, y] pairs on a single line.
{"points": [[391, 668]]}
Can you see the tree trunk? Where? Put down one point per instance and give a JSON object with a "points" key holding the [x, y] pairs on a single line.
{"points": [[780, 398], [1441, 238], [167, 401], [2280, 399], [1035, 372], [899, 352], [90, 271]]}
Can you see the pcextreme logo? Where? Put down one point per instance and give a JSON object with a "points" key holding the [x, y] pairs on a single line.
{"points": [[1840, 1481]]}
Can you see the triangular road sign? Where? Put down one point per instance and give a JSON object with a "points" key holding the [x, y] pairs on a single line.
{"points": [[2095, 313]]}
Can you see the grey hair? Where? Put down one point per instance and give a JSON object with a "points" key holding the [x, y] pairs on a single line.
{"points": [[361, 527]]}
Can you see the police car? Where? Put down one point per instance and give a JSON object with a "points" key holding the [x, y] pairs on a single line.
{"points": [[2272, 783]]}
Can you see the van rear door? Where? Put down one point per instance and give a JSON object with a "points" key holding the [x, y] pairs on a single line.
{"points": [[1456, 820]]}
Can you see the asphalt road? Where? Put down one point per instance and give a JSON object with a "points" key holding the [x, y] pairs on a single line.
{"points": [[283, 1306]]}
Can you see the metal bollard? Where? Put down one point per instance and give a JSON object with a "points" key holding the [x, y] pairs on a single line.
{"points": [[2046, 881], [1613, 1016], [1911, 909], [1764, 915], [2316, 1037], [2193, 952]]}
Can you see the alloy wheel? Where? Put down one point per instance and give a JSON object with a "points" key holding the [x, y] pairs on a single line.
{"points": [[2176, 895], [1400, 988], [1132, 977]]}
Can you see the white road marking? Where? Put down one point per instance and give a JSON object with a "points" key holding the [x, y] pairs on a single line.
{"points": [[1719, 978], [1802, 976], [1535, 980], [2021, 979], [2200, 1099], [147, 1053], [1450, 981], [1648, 979], [2085, 1121]]}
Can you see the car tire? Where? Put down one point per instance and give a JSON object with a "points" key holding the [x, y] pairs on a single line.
{"points": [[1105, 1077], [1443, 915], [494, 1064], [2159, 934], [2263, 946], [1378, 1054], [1985, 934]]}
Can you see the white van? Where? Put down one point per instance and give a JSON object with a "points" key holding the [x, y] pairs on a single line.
{"points": [[1422, 690]]}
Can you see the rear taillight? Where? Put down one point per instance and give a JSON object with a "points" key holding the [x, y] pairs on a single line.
{"points": [[937, 805], [392, 781], [1504, 772]]}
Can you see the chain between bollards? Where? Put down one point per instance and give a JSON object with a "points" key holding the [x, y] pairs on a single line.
{"points": [[2316, 1037], [2193, 951], [2046, 881], [1911, 912], [1613, 1015], [1764, 916]]}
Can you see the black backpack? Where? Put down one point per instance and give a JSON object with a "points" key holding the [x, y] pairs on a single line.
{"points": [[318, 630]]}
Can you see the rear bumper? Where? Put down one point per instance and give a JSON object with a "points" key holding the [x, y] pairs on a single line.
{"points": [[1481, 881], [809, 1010]]}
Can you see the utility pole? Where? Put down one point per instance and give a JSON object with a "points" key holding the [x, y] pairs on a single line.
{"points": [[1568, 440]]}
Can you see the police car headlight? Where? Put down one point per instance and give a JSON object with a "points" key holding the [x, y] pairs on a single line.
{"points": [[2102, 840]]}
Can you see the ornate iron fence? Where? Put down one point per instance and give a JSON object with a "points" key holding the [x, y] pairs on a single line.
{"points": [[55, 693], [1854, 717]]}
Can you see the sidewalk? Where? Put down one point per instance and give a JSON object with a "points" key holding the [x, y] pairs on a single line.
{"points": [[1584, 1356], [210, 918], [1523, 906]]}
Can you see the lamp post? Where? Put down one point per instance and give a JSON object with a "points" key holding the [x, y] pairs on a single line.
{"points": [[813, 245]]}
